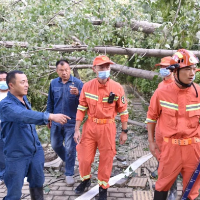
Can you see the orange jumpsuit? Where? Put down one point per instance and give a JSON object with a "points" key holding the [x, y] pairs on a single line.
{"points": [[158, 136], [178, 111], [99, 130]]}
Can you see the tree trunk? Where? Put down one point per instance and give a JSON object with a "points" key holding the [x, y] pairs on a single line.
{"points": [[76, 74], [122, 69], [111, 50], [144, 26]]}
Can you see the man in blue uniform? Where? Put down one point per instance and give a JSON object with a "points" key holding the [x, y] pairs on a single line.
{"points": [[63, 98], [23, 152], [3, 94]]}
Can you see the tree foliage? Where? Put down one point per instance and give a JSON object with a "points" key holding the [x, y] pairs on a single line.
{"points": [[41, 23]]}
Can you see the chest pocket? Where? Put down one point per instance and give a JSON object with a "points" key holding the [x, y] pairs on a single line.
{"points": [[69, 95], [170, 116], [193, 118], [57, 91], [92, 104], [109, 105]]}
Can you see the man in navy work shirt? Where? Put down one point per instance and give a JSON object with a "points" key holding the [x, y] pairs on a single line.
{"points": [[23, 152], [3, 94], [63, 98]]}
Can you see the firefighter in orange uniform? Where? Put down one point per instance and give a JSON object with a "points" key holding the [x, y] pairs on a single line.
{"points": [[177, 107], [167, 79], [102, 98]]}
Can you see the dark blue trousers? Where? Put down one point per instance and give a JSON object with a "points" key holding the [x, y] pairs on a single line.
{"points": [[16, 170], [67, 152]]}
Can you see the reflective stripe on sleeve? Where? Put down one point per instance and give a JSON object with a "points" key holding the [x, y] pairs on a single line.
{"points": [[82, 108], [123, 113], [150, 120]]}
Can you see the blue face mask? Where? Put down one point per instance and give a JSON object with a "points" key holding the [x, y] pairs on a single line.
{"points": [[164, 72], [104, 74], [3, 85]]}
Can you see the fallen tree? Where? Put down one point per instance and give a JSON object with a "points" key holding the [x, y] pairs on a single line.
{"points": [[122, 69], [143, 26], [111, 50]]}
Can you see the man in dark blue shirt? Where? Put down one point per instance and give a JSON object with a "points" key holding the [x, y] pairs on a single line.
{"points": [[63, 98], [23, 152], [3, 94]]}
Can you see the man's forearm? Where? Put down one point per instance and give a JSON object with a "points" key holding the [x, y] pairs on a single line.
{"points": [[124, 125], [151, 131], [78, 124]]}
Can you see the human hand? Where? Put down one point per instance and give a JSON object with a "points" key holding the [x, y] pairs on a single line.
{"points": [[153, 147], [49, 124], [59, 118], [77, 136], [73, 90], [122, 138]]}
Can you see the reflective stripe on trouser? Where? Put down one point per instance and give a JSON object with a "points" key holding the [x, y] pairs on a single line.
{"points": [[85, 177], [175, 159], [102, 136]]}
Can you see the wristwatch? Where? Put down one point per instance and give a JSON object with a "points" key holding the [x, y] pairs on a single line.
{"points": [[125, 130]]}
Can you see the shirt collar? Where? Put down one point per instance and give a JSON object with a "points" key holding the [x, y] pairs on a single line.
{"points": [[103, 85], [70, 79], [15, 98], [178, 89], [169, 80]]}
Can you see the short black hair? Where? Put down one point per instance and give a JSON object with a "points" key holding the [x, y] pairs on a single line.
{"points": [[3, 72], [11, 76], [62, 62]]}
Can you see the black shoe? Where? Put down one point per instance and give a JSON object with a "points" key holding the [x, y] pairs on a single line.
{"points": [[81, 187], [36, 193], [102, 194], [160, 195]]}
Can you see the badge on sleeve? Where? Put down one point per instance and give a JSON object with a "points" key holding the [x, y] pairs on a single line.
{"points": [[123, 99]]}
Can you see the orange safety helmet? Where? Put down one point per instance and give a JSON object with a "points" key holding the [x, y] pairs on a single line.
{"points": [[165, 62], [183, 58]]}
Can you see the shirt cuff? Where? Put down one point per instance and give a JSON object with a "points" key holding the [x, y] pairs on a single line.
{"points": [[124, 118], [46, 117]]}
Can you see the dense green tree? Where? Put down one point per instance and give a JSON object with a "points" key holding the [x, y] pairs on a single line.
{"points": [[48, 22]]}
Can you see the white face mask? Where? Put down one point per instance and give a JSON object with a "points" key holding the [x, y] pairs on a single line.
{"points": [[164, 72], [3, 85], [103, 74]]}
